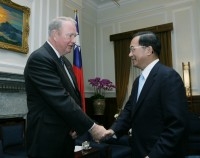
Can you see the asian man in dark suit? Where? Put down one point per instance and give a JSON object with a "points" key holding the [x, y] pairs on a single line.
{"points": [[54, 116], [158, 116]]}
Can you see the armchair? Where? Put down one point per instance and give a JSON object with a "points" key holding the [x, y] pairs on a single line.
{"points": [[193, 143], [13, 140]]}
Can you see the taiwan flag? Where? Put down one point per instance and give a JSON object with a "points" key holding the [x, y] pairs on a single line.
{"points": [[77, 65]]}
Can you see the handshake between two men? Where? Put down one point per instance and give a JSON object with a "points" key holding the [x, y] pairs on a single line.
{"points": [[98, 133]]}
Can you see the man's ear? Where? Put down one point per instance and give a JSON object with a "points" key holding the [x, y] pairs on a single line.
{"points": [[149, 49], [54, 34]]}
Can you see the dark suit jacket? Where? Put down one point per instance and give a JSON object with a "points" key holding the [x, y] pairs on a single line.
{"points": [[159, 119], [53, 106]]}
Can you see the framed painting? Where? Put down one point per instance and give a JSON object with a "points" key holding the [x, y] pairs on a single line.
{"points": [[14, 26]]}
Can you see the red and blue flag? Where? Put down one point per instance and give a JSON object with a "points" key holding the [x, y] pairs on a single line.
{"points": [[77, 65]]}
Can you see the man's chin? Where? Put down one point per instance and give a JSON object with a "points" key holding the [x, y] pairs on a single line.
{"points": [[68, 51], [135, 64]]}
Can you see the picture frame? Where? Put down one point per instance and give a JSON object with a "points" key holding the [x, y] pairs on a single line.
{"points": [[14, 26]]}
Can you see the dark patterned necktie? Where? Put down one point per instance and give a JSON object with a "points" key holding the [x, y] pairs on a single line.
{"points": [[67, 71], [61, 61]]}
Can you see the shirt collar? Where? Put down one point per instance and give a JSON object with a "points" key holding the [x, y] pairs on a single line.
{"points": [[58, 55], [147, 70]]}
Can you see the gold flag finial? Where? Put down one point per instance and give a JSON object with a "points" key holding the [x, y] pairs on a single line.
{"points": [[75, 10]]}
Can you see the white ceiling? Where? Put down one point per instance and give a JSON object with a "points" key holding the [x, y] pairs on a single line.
{"points": [[99, 2], [104, 3]]}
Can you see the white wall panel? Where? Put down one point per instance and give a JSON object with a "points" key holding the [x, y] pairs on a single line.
{"points": [[142, 21], [182, 30], [89, 56], [108, 68], [185, 43]]}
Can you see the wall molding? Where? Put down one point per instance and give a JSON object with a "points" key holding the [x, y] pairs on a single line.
{"points": [[11, 82]]}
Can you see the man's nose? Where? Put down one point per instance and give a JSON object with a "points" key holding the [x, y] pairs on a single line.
{"points": [[130, 54]]}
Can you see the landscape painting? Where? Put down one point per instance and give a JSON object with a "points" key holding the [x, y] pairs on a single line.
{"points": [[14, 26]]}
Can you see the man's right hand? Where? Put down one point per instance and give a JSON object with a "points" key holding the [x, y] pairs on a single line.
{"points": [[99, 133]]}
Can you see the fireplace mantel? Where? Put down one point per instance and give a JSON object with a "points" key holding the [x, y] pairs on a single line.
{"points": [[12, 95], [11, 82]]}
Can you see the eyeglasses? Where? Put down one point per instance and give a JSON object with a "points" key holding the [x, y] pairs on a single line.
{"points": [[132, 48], [71, 35]]}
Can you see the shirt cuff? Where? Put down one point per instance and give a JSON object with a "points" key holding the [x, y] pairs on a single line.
{"points": [[91, 127]]}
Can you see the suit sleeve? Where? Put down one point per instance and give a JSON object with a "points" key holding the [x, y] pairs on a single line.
{"points": [[123, 123]]}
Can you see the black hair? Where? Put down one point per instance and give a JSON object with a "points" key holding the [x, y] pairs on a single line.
{"points": [[148, 38]]}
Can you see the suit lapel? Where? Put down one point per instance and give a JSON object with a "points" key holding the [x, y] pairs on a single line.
{"points": [[66, 78], [134, 95], [146, 88], [63, 74], [69, 68]]}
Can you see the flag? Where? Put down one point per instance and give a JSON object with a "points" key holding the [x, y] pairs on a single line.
{"points": [[77, 65]]}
